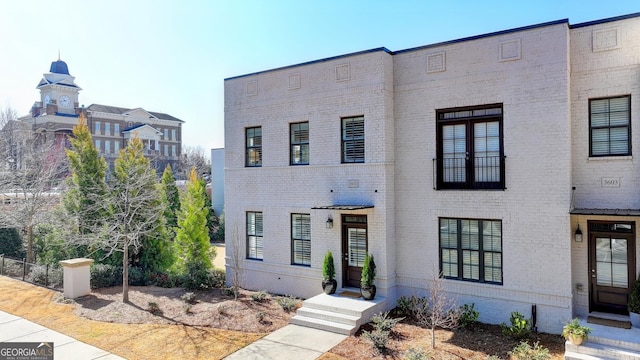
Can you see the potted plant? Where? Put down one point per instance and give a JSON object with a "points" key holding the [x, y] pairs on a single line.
{"points": [[575, 332], [367, 288], [329, 283], [634, 304]]}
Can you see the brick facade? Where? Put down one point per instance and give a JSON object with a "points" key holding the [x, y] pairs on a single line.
{"points": [[542, 76]]}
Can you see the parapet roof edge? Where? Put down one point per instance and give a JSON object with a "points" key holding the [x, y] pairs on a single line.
{"points": [[469, 38], [495, 33], [602, 21], [313, 62]]}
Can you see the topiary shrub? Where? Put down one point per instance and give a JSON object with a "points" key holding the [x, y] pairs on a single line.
{"points": [[103, 275]]}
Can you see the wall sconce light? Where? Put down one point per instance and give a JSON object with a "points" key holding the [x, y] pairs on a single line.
{"points": [[578, 234], [329, 223]]}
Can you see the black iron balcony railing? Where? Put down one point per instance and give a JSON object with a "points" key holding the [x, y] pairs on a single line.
{"points": [[480, 172]]}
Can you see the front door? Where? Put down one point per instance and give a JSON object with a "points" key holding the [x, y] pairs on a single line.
{"points": [[354, 248], [611, 265]]}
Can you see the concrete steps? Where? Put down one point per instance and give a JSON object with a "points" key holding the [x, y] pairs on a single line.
{"points": [[338, 314], [607, 343]]}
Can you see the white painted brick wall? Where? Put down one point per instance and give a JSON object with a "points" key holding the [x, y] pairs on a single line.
{"points": [[544, 93]]}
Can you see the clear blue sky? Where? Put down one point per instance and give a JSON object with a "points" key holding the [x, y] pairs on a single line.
{"points": [[173, 56]]}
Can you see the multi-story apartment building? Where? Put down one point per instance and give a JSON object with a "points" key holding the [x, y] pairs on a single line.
{"points": [[503, 161], [111, 127]]}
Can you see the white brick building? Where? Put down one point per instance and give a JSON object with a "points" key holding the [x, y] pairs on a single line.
{"points": [[477, 157]]}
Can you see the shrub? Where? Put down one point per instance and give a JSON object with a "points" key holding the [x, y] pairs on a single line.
{"points": [[196, 278], [189, 298], [11, 243], [468, 316], [38, 275], [415, 354], [161, 279], [288, 303], [414, 306], [377, 338], [524, 351], [520, 327], [260, 315], [103, 275], [368, 271], [328, 268], [218, 278], [383, 322], [137, 277], [154, 308], [634, 297], [222, 309], [260, 296]]}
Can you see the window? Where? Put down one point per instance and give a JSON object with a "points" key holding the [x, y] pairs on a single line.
{"points": [[166, 150], [254, 147], [471, 250], [301, 239], [98, 144], [470, 151], [107, 128], [173, 135], [610, 126], [173, 151], [116, 129], [107, 146], [353, 140], [116, 146], [299, 143], [254, 236], [166, 134], [97, 125]]}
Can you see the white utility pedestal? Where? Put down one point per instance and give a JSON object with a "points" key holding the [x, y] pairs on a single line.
{"points": [[76, 280]]}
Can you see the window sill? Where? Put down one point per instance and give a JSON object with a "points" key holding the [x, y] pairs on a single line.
{"points": [[610, 158]]}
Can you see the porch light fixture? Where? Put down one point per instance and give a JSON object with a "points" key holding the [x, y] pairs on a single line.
{"points": [[578, 234], [329, 223]]}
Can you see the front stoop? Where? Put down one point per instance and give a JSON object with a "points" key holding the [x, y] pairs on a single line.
{"points": [[342, 315], [606, 343]]}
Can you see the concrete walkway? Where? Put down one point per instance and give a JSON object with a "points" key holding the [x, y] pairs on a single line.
{"points": [[16, 329], [290, 342]]}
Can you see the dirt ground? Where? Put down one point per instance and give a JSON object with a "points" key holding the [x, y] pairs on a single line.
{"points": [[211, 308], [214, 309]]}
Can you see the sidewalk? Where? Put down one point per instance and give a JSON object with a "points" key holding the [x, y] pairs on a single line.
{"points": [[290, 342], [17, 329]]}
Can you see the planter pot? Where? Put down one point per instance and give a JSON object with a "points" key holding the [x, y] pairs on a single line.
{"points": [[635, 319], [575, 339], [368, 293], [329, 286]]}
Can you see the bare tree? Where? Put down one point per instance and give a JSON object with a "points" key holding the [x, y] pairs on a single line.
{"points": [[32, 171], [194, 157], [235, 273], [442, 311], [135, 208]]}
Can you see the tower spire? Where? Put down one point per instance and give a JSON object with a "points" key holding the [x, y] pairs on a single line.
{"points": [[58, 54]]}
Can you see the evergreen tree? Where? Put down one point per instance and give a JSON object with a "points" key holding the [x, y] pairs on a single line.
{"points": [[192, 247], [87, 186], [173, 198], [11, 243]]}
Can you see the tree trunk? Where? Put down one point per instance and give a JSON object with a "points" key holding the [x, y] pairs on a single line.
{"points": [[30, 244], [125, 272]]}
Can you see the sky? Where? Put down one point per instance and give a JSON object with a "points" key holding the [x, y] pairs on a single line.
{"points": [[173, 56]]}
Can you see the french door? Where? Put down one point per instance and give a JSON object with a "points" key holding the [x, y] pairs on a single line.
{"points": [[354, 248]]}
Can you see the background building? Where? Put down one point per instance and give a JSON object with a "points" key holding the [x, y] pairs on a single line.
{"points": [[111, 127]]}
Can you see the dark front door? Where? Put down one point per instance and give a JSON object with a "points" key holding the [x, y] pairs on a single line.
{"points": [[611, 265], [354, 248]]}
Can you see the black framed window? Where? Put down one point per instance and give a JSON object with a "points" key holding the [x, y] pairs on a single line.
{"points": [[470, 148], [610, 126], [299, 143], [471, 250], [301, 239], [353, 139], [253, 147], [255, 243]]}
